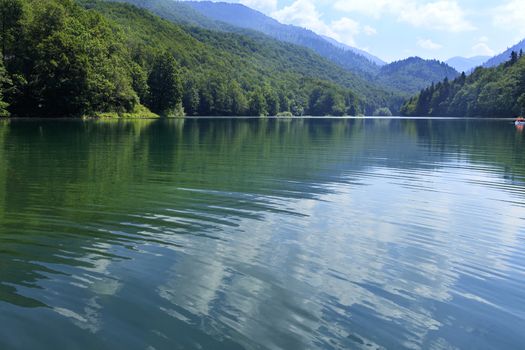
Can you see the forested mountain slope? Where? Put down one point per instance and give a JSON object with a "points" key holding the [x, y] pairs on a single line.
{"points": [[414, 73], [250, 60], [367, 55], [245, 17], [487, 92], [504, 56], [240, 19], [57, 64]]}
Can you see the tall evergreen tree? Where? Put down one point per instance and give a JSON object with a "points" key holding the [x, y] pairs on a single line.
{"points": [[165, 85]]}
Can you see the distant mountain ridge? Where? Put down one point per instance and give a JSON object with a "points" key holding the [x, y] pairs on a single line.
{"points": [[414, 73], [370, 74], [504, 56], [466, 64], [245, 17], [370, 57], [245, 53], [487, 92]]}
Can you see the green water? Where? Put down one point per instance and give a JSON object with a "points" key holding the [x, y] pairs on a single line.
{"points": [[262, 234]]}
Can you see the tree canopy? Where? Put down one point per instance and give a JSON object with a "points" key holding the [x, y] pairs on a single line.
{"points": [[89, 57], [487, 92]]}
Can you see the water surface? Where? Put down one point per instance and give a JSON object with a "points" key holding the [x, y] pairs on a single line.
{"points": [[262, 234]]}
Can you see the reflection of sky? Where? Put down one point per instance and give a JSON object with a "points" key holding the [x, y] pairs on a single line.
{"points": [[343, 268], [419, 251]]}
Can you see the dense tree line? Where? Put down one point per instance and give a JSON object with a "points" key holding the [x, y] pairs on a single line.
{"points": [[248, 52], [487, 92], [87, 58], [413, 74], [373, 79], [61, 60]]}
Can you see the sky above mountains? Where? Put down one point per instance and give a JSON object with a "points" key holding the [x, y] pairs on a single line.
{"points": [[396, 29]]}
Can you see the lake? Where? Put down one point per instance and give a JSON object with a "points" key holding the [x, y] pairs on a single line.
{"points": [[262, 234]]}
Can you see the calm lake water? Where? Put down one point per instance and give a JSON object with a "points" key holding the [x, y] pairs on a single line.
{"points": [[262, 234]]}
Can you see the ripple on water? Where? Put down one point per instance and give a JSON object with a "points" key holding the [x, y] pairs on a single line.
{"points": [[228, 234]]}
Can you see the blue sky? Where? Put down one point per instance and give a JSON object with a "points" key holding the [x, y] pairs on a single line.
{"points": [[396, 29]]}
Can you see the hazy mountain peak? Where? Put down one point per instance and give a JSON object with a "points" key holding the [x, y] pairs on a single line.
{"points": [[241, 16], [466, 64], [504, 56], [345, 47]]}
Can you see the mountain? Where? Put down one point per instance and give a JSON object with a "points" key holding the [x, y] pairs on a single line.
{"points": [[505, 56], [487, 92], [371, 95], [464, 64], [345, 47], [179, 12], [207, 72], [405, 77], [245, 17], [241, 20], [413, 74]]}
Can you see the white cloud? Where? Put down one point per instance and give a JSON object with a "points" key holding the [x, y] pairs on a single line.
{"points": [[440, 15], [368, 30], [346, 29], [373, 8], [428, 44], [483, 39], [261, 5], [304, 13], [482, 49], [444, 15], [511, 15]]}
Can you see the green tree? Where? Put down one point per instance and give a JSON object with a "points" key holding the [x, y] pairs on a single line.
{"points": [[139, 78], [11, 12], [3, 82], [191, 98], [487, 92], [238, 99], [165, 85], [383, 112], [325, 100], [272, 100], [257, 103]]}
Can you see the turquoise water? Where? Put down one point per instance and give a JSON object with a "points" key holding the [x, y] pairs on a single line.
{"points": [[262, 234]]}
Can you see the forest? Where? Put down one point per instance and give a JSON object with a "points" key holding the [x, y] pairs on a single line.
{"points": [[62, 58], [487, 92], [94, 58]]}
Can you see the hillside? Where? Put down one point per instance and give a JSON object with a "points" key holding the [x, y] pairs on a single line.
{"points": [[245, 17], [179, 12], [405, 77], [156, 65], [243, 57], [466, 64], [487, 92], [345, 47], [504, 56], [413, 74]]}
